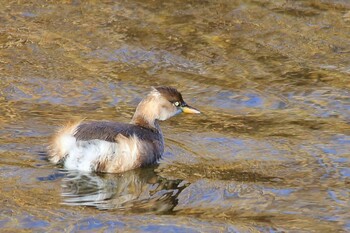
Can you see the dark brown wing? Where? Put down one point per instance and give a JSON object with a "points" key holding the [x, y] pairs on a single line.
{"points": [[108, 131]]}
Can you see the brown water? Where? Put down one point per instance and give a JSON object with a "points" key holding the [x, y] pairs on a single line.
{"points": [[271, 153]]}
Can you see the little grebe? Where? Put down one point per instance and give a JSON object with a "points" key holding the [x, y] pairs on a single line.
{"points": [[114, 147]]}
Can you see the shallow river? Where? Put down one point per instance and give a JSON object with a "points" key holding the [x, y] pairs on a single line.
{"points": [[270, 153]]}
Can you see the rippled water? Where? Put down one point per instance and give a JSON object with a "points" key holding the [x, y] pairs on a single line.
{"points": [[270, 153]]}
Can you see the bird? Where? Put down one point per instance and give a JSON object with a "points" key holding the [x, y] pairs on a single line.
{"points": [[114, 147]]}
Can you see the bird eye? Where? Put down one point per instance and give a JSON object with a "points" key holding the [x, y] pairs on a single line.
{"points": [[177, 103]]}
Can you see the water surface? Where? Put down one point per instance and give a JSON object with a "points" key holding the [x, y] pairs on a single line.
{"points": [[270, 153]]}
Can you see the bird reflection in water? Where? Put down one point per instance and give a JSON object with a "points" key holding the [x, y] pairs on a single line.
{"points": [[140, 190]]}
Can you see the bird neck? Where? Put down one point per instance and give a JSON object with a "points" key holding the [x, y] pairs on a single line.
{"points": [[146, 116], [142, 121]]}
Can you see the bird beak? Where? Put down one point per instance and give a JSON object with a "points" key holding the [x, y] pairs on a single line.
{"points": [[188, 109]]}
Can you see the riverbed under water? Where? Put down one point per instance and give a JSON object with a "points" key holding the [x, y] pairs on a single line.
{"points": [[270, 153]]}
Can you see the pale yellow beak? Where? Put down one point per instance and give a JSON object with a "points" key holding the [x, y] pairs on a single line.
{"points": [[188, 109]]}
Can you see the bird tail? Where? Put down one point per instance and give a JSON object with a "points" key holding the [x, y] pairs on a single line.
{"points": [[62, 142]]}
